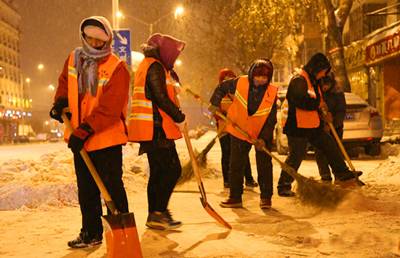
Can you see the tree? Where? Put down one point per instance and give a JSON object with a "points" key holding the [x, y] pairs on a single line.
{"points": [[336, 19], [261, 28]]}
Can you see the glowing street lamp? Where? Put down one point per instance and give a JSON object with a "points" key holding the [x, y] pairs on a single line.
{"points": [[179, 11], [40, 67], [51, 87], [178, 62], [28, 80]]}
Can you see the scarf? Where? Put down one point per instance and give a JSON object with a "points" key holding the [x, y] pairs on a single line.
{"points": [[86, 64]]}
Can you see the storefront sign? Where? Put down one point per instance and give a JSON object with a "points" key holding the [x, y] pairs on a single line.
{"points": [[354, 55], [386, 45]]}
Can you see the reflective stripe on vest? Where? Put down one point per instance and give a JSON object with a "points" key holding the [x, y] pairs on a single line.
{"points": [[238, 110], [141, 123], [307, 118], [114, 134]]}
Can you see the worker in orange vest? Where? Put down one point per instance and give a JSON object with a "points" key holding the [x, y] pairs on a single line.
{"points": [[225, 139], [94, 85], [254, 110], [303, 125], [156, 121]]}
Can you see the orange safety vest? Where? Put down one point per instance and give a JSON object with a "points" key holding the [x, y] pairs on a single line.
{"points": [[114, 134], [226, 102], [238, 110], [304, 118], [140, 126]]}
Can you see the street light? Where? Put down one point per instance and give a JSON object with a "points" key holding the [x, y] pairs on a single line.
{"points": [[28, 80], [178, 62], [40, 67], [177, 12], [51, 87]]}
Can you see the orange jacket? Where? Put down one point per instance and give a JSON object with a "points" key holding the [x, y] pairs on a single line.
{"points": [[238, 111], [107, 133], [141, 124]]}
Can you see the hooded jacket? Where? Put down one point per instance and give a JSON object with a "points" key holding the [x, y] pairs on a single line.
{"points": [[255, 97], [298, 97]]}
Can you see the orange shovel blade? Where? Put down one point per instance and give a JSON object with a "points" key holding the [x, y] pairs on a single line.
{"points": [[214, 214], [121, 236]]}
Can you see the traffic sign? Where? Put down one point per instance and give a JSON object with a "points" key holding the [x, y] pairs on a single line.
{"points": [[122, 44]]}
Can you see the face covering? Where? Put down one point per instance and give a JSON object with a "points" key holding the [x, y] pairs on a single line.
{"points": [[259, 81]]}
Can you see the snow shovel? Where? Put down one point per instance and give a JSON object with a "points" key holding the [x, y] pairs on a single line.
{"points": [[344, 152], [196, 171], [187, 169], [120, 228], [309, 190]]}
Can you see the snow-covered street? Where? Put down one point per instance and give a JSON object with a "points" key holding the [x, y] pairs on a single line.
{"points": [[39, 212]]}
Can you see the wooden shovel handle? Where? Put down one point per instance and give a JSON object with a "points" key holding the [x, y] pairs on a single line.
{"points": [[92, 169]]}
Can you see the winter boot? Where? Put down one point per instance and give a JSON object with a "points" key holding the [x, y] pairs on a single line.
{"points": [[265, 203], [286, 193], [157, 220], [84, 241], [171, 222], [232, 203], [251, 183]]}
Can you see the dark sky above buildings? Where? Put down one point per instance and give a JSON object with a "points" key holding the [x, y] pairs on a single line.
{"points": [[49, 31]]}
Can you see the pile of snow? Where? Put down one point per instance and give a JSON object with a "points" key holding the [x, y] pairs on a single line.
{"points": [[387, 172], [33, 184], [51, 180], [388, 149]]}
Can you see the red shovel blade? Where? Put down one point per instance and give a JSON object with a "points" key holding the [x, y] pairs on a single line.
{"points": [[121, 236]]}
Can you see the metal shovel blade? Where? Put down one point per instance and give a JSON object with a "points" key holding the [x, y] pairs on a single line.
{"points": [[121, 236], [214, 214]]}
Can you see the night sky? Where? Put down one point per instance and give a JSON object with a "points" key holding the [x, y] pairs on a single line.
{"points": [[50, 31]]}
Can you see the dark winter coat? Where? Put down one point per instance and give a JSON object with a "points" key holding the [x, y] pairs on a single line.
{"points": [[336, 103], [156, 91], [297, 96]]}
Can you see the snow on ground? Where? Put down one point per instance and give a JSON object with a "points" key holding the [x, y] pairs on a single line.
{"points": [[39, 213]]}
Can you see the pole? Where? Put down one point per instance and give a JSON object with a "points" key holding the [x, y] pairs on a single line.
{"points": [[115, 10], [150, 29]]}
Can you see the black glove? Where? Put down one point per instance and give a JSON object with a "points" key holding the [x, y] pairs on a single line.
{"points": [[79, 136], [57, 109]]}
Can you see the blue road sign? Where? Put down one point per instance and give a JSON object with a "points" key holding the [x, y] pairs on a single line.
{"points": [[122, 44]]}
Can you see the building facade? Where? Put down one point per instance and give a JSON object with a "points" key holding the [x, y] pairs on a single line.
{"points": [[15, 104], [373, 57]]}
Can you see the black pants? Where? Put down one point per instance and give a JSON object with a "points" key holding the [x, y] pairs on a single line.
{"points": [[108, 163], [225, 142], [322, 161], [297, 151], [165, 170], [239, 156]]}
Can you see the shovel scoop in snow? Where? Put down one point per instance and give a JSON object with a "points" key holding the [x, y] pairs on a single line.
{"points": [[121, 236]]}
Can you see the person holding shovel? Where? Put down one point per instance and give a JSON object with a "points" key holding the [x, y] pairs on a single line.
{"points": [[94, 86], [254, 110], [336, 104], [303, 125], [225, 139], [156, 121]]}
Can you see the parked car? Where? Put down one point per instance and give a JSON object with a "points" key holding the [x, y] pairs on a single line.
{"points": [[21, 139], [363, 127]]}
